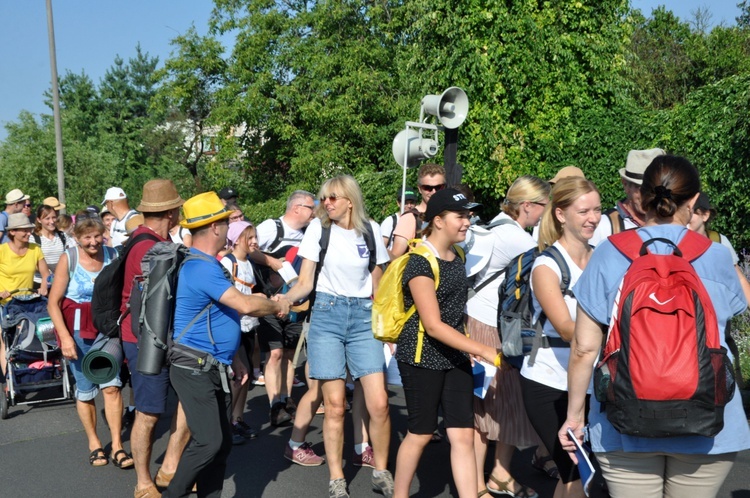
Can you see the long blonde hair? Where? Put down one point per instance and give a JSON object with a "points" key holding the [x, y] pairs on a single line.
{"points": [[525, 188], [344, 186], [564, 193]]}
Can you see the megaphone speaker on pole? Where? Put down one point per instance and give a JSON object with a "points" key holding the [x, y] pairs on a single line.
{"points": [[409, 149], [451, 107]]}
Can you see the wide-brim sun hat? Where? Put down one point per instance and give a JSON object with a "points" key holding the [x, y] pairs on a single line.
{"points": [[637, 162], [203, 209], [567, 172], [15, 196], [53, 203], [17, 221], [158, 196]]}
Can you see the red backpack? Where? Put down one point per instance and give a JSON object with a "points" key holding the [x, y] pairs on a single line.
{"points": [[663, 370]]}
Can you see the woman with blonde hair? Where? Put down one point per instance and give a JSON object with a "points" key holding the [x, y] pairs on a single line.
{"points": [[340, 334], [500, 416], [70, 310], [567, 225]]}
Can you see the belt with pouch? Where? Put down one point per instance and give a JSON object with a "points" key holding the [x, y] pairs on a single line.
{"points": [[182, 356]]}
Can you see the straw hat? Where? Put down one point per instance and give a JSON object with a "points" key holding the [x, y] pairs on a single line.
{"points": [[203, 209], [133, 223], [566, 172], [53, 203], [158, 196], [17, 221], [15, 196], [636, 164]]}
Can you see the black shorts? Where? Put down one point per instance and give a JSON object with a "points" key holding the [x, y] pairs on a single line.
{"points": [[274, 333], [547, 409], [426, 390]]}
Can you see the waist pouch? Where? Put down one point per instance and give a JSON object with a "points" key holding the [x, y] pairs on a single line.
{"points": [[182, 356]]}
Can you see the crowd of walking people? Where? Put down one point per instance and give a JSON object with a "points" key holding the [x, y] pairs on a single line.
{"points": [[255, 298]]}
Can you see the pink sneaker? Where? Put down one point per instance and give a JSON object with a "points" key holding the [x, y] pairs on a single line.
{"points": [[304, 455], [366, 459]]}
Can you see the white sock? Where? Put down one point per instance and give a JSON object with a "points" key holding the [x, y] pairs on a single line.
{"points": [[294, 444], [360, 448]]}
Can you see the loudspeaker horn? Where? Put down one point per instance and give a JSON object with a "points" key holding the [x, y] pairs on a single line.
{"points": [[418, 148], [451, 107]]}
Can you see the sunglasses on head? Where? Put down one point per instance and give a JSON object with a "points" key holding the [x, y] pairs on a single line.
{"points": [[432, 188], [331, 197]]}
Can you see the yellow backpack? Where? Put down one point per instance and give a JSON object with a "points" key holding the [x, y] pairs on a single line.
{"points": [[388, 314]]}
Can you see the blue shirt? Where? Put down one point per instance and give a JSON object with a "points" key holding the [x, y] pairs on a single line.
{"points": [[202, 281], [596, 291]]}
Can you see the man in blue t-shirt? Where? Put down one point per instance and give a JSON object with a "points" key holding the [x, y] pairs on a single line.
{"points": [[206, 336]]}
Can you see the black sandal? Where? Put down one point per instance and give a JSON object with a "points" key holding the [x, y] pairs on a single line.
{"points": [[124, 462], [540, 464], [98, 455]]}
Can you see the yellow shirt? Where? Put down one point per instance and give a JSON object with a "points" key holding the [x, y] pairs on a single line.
{"points": [[17, 272]]}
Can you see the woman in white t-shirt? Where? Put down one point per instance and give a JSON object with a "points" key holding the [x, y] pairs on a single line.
{"points": [[242, 239], [46, 234], [568, 223], [340, 334], [500, 416]]}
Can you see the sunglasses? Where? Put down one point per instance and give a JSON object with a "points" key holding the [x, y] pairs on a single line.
{"points": [[307, 206], [331, 197], [432, 188], [27, 205]]}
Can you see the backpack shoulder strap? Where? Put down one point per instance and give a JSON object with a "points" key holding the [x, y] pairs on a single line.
{"points": [[615, 219], [394, 218], [372, 249], [279, 235], [425, 252], [501, 221], [554, 253], [714, 236], [693, 245], [61, 234], [72, 253], [325, 236], [231, 257], [629, 243]]}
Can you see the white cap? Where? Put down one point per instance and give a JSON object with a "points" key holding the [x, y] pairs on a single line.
{"points": [[114, 194]]}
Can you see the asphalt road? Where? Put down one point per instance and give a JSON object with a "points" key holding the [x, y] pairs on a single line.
{"points": [[43, 452]]}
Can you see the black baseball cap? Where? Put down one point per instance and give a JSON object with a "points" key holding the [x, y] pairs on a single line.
{"points": [[448, 199], [703, 203], [409, 194], [227, 193]]}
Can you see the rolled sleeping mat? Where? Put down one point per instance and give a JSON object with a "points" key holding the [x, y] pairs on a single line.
{"points": [[102, 363], [156, 316]]}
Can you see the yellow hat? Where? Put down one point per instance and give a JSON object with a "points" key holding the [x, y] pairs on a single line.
{"points": [[53, 203], [202, 209]]}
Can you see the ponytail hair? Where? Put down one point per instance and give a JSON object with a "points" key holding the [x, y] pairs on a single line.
{"points": [[668, 183], [564, 193], [525, 188]]}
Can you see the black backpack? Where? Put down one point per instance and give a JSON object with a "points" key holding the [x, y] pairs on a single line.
{"points": [[59, 233], [107, 296], [515, 314]]}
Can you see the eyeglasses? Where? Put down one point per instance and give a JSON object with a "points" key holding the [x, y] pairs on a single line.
{"points": [[307, 206], [432, 188], [543, 204], [27, 205], [332, 197]]}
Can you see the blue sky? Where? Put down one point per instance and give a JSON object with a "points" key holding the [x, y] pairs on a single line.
{"points": [[90, 33]]}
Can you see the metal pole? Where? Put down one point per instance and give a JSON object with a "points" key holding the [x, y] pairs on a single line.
{"points": [[452, 173], [56, 105]]}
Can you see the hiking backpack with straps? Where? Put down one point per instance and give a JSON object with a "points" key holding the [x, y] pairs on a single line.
{"points": [[663, 371], [520, 335], [107, 296], [160, 268], [388, 313]]}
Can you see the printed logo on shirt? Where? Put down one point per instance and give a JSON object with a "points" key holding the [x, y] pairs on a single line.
{"points": [[363, 251]]}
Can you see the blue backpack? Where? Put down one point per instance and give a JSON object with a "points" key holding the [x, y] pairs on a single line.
{"points": [[519, 334]]}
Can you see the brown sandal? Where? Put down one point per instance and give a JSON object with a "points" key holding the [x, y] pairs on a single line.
{"points": [[505, 490], [482, 493]]}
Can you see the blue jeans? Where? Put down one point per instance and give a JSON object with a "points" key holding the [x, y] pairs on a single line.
{"points": [[85, 389], [340, 336]]}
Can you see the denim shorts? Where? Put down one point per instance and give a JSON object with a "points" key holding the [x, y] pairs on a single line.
{"points": [[85, 389], [150, 391], [340, 336]]}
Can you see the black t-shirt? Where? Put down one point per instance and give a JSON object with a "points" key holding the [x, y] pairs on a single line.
{"points": [[451, 297]]}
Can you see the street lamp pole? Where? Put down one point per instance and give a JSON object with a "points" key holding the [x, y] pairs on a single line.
{"points": [[56, 105]]}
